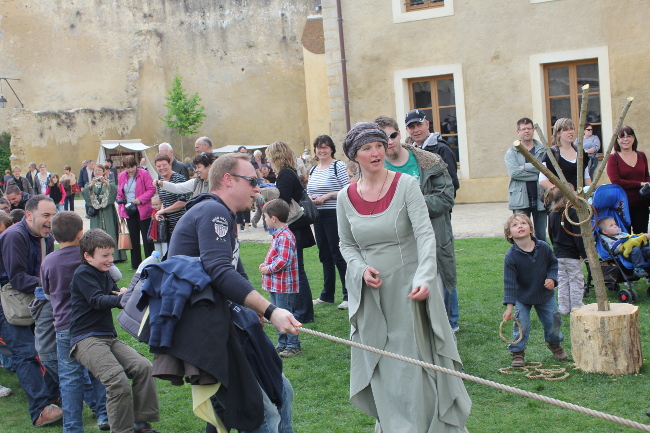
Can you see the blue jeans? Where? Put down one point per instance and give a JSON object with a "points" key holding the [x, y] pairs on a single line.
{"points": [[451, 305], [68, 203], [286, 301], [277, 421], [540, 218], [640, 257], [327, 239], [20, 340], [72, 379], [549, 316], [60, 207]]}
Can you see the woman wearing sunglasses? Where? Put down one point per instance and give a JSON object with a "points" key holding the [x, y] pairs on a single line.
{"points": [[591, 145]]}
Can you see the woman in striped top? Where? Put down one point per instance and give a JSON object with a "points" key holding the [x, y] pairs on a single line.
{"points": [[173, 204], [325, 181]]}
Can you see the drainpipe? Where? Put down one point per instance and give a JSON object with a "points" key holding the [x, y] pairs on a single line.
{"points": [[344, 70]]}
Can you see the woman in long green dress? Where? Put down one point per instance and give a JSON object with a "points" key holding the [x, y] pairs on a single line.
{"points": [[395, 301], [100, 194]]}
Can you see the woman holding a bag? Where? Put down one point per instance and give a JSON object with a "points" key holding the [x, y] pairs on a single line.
{"points": [[284, 164], [100, 195], [325, 181], [134, 192], [69, 182]]}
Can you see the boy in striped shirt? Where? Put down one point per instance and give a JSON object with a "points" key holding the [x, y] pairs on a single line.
{"points": [[280, 270]]}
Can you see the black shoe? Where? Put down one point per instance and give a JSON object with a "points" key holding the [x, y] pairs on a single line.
{"points": [[104, 427], [143, 427]]}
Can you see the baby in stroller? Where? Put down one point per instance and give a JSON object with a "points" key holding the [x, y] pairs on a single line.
{"points": [[633, 247]]}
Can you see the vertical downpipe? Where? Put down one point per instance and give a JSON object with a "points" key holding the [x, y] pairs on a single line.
{"points": [[344, 70]]}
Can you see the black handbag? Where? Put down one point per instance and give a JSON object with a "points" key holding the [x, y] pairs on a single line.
{"points": [[91, 211], [309, 208], [131, 209]]}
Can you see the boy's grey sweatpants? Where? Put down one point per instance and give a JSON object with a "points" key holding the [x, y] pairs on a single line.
{"points": [[114, 363]]}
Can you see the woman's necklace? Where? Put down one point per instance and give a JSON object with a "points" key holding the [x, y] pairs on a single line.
{"points": [[378, 197]]}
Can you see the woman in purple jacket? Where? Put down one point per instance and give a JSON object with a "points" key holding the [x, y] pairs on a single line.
{"points": [[135, 189]]}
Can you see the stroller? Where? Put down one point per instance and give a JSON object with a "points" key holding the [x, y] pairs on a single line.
{"points": [[611, 201]]}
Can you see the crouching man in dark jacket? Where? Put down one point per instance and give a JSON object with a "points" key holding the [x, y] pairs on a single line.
{"points": [[209, 230]]}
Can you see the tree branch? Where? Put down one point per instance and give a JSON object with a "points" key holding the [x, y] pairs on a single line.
{"points": [[581, 133], [612, 141], [551, 157]]}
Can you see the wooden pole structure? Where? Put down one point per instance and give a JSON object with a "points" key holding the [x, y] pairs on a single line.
{"points": [[584, 212], [605, 338]]}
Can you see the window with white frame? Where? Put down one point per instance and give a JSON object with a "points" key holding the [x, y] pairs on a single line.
{"points": [[414, 10]]}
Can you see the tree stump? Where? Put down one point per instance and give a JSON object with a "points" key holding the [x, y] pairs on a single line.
{"points": [[606, 341]]}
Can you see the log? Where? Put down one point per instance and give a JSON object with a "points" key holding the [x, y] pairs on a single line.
{"points": [[606, 341]]}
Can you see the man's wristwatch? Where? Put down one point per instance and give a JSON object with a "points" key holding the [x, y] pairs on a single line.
{"points": [[269, 311]]}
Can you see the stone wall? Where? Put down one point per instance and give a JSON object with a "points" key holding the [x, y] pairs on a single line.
{"points": [[243, 57]]}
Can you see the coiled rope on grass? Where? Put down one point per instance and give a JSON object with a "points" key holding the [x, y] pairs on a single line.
{"points": [[512, 389]]}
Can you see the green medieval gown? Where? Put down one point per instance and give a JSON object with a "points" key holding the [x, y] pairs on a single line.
{"points": [[103, 199], [400, 243]]}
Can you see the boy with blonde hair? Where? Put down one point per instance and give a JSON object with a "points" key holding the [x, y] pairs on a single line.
{"points": [[529, 278]]}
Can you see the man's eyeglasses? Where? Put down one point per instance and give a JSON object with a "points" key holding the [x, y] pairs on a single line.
{"points": [[394, 135], [251, 180], [526, 129]]}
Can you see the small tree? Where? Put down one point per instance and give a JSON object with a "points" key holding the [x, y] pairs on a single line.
{"points": [[5, 151], [185, 114]]}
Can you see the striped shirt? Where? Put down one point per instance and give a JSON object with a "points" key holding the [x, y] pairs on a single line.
{"points": [[282, 261], [322, 182], [168, 199]]}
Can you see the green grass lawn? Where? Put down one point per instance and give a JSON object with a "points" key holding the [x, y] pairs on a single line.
{"points": [[320, 376]]}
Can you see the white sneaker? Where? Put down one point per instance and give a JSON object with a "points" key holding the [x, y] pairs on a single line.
{"points": [[343, 305], [319, 301], [5, 392]]}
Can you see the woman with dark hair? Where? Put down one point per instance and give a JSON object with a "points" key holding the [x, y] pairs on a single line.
{"points": [[134, 190], [68, 180], [628, 168], [325, 181], [100, 194], [566, 155], [173, 204], [56, 191], [197, 185], [396, 301], [289, 186]]}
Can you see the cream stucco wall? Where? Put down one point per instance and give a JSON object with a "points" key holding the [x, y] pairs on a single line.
{"points": [[244, 59], [318, 108], [492, 44]]}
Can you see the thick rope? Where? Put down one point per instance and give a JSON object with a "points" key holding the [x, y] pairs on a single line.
{"points": [[549, 400]]}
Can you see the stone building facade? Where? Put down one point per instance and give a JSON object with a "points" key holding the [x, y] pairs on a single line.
{"points": [[272, 70]]}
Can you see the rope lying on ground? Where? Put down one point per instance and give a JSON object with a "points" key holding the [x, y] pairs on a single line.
{"points": [[535, 371], [549, 400]]}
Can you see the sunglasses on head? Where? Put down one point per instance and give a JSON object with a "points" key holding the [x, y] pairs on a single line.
{"points": [[394, 135], [251, 180]]}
